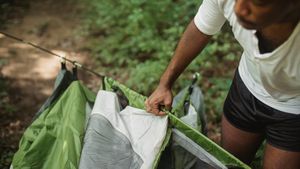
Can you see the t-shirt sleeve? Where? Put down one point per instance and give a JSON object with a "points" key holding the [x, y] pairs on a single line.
{"points": [[209, 18]]}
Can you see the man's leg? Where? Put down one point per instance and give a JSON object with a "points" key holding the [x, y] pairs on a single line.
{"points": [[241, 144], [276, 158]]}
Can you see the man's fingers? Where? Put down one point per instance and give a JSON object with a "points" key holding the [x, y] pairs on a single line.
{"points": [[147, 105], [155, 111], [161, 113], [156, 106], [151, 107], [168, 104]]}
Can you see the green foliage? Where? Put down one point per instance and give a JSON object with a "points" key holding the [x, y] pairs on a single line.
{"points": [[135, 39], [137, 30], [146, 75]]}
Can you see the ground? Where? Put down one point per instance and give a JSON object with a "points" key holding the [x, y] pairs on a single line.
{"points": [[30, 73]]}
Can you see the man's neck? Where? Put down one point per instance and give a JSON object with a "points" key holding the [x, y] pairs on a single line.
{"points": [[274, 35]]}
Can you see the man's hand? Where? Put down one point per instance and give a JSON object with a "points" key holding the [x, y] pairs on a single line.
{"points": [[161, 98]]}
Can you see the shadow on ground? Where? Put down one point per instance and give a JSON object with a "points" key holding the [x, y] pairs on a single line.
{"points": [[28, 74]]}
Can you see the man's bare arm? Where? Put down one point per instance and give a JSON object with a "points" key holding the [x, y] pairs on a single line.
{"points": [[190, 45]]}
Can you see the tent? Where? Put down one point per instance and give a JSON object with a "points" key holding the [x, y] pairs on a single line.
{"points": [[58, 136]]}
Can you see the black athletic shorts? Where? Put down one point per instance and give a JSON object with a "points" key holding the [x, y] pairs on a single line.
{"points": [[244, 111]]}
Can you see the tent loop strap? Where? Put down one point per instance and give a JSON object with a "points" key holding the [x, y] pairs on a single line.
{"points": [[63, 59], [63, 63], [74, 70], [75, 63], [52, 53]]}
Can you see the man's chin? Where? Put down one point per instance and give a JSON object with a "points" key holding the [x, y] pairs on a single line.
{"points": [[247, 25]]}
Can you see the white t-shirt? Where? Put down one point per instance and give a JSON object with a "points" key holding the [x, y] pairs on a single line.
{"points": [[273, 78]]}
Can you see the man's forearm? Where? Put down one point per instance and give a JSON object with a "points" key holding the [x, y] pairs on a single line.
{"points": [[190, 45]]}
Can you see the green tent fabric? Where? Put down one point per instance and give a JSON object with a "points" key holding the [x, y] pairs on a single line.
{"points": [[62, 82], [54, 139]]}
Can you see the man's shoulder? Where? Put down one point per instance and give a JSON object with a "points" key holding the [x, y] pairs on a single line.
{"points": [[225, 5], [222, 5], [227, 9]]}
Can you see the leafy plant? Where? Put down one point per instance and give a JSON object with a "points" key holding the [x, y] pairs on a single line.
{"points": [[133, 31]]}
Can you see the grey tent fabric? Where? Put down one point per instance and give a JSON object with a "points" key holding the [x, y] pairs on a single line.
{"points": [[183, 158], [190, 102], [107, 148], [197, 100], [183, 148], [119, 138], [190, 146], [191, 95], [88, 109]]}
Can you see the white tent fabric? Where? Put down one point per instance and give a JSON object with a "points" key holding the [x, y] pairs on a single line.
{"points": [[117, 139]]}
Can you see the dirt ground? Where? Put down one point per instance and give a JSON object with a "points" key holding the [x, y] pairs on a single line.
{"points": [[29, 72]]}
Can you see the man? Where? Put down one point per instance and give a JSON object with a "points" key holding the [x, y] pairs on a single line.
{"points": [[264, 98]]}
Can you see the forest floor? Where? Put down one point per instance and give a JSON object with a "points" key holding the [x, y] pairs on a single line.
{"points": [[29, 73]]}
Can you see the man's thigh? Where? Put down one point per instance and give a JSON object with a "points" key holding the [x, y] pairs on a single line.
{"points": [[276, 158], [240, 143]]}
